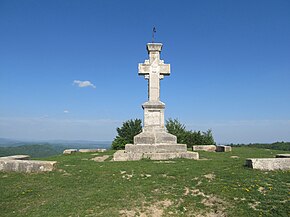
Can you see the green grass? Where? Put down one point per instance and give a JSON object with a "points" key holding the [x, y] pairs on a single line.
{"points": [[82, 187]]}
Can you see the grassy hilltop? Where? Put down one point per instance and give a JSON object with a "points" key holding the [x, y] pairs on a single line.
{"points": [[216, 185]]}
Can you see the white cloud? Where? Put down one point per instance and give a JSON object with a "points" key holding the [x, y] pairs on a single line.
{"points": [[84, 83], [66, 111]]}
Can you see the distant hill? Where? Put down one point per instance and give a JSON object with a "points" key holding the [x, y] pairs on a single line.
{"points": [[32, 150], [285, 146], [46, 148]]}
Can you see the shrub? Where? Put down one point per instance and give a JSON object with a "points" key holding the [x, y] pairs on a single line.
{"points": [[126, 133], [187, 136]]}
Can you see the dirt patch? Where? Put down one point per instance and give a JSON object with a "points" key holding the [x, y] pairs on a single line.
{"points": [[217, 206], [210, 176], [100, 158], [153, 210], [254, 205], [262, 190], [186, 189]]}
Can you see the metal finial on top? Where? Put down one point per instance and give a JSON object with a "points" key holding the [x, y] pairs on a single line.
{"points": [[153, 31]]}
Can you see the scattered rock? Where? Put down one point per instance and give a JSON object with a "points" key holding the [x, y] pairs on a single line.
{"points": [[282, 155], [234, 157], [26, 166], [70, 151], [100, 158], [210, 176], [210, 148], [92, 150], [15, 157], [223, 148], [268, 163]]}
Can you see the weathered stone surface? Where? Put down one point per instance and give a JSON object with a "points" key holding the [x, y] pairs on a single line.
{"points": [[223, 148], [69, 151], [190, 155], [92, 150], [121, 155], [268, 163], [15, 157], [204, 148], [282, 155], [26, 166], [100, 158], [154, 142], [156, 148]]}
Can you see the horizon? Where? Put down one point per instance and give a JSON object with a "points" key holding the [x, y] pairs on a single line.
{"points": [[69, 69]]}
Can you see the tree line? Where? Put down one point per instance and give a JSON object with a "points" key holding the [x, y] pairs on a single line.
{"points": [[132, 127]]}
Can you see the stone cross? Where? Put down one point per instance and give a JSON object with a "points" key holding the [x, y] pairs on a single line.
{"points": [[154, 70]]}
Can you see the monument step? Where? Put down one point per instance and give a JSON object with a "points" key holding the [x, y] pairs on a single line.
{"points": [[156, 148], [122, 155]]}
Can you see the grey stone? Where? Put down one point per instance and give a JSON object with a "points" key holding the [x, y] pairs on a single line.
{"points": [[26, 166], [223, 148], [69, 151], [91, 150], [282, 155], [268, 163], [204, 148], [154, 142], [100, 158], [15, 157], [121, 155], [156, 148]]}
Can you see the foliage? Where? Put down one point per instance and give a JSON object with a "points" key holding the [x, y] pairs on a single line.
{"points": [[79, 186], [276, 145], [187, 136], [126, 133]]}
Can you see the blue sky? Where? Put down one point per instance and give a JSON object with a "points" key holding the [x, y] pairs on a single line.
{"points": [[230, 67]]}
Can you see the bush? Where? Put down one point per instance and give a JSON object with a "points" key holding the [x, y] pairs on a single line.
{"points": [[187, 136], [126, 133]]}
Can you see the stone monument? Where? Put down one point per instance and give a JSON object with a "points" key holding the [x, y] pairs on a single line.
{"points": [[154, 142]]}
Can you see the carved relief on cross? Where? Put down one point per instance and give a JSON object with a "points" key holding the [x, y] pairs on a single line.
{"points": [[154, 70]]}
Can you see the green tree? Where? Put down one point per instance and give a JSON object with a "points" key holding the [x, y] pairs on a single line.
{"points": [[174, 127], [187, 136], [126, 133]]}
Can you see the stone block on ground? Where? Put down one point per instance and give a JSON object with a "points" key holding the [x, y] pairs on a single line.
{"points": [[92, 150], [282, 155], [26, 166], [268, 163], [69, 151], [204, 148], [121, 155], [223, 148], [100, 158], [15, 157]]}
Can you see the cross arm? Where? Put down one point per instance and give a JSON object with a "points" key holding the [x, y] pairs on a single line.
{"points": [[164, 69], [143, 69]]}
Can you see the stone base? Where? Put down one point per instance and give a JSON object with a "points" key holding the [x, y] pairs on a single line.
{"points": [[154, 152], [153, 137], [156, 148], [92, 150], [26, 166], [15, 157], [70, 151], [204, 148], [223, 148], [282, 155], [268, 163], [122, 155]]}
